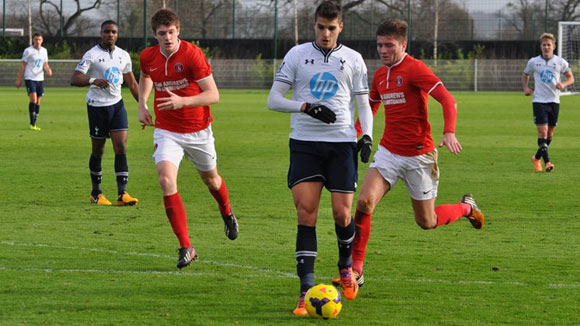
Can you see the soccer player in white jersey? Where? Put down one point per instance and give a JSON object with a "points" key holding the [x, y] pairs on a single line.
{"points": [[547, 69], [34, 65], [325, 78], [104, 68]]}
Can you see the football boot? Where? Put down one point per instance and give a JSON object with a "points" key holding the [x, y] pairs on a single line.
{"points": [[231, 227], [300, 309], [186, 256], [125, 199], [475, 216], [348, 283], [100, 200], [537, 164]]}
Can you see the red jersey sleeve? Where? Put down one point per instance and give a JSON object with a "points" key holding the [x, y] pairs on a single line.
{"points": [[442, 95], [200, 67]]}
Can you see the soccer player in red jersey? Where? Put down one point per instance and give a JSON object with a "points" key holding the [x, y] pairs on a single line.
{"points": [[184, 89], [406, 150]]}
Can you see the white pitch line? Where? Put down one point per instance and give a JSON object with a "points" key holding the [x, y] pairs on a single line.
{"points": [[115, 252], [274, 273]]}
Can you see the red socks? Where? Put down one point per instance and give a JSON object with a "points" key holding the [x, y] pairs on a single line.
{"points": [[222, 198], [449, 213], [362, 223], [177, 218]]}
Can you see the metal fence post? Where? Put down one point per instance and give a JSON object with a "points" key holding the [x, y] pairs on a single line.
{"points": [[475, 75]]}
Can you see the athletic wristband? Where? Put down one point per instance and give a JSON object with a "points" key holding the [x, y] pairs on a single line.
{"points": [[91, 81]]}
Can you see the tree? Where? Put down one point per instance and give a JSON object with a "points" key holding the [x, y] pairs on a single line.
{"points": [[565, 10], [50, 13]]}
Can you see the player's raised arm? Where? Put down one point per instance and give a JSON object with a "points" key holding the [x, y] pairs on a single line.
{"points": [[569, 81], [209, 95], [79, 79], [277, 101]]}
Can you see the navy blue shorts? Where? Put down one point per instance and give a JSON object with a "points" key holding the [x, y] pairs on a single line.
{"points": [[34, 86], [546, 113], [334, 164], [104, 119]]}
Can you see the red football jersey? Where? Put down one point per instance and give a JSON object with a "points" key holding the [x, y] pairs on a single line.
{"points": [[404, 91], [179, 73]]}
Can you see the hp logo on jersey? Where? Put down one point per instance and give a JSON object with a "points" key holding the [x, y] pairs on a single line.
{"points": [[113, 75], [546, 76], [323, 85]]}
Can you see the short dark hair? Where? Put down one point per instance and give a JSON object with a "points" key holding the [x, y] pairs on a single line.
{"points": [[37, 34], [165, 17], [109, 22], [329, 10], [393, 27]]}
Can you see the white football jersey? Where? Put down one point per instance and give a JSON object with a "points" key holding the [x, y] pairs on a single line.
{"points": [[547, 73], [331, 78], [35, 59], [104, 64]]}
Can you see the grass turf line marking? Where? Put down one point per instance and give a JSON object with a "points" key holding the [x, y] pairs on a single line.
{"points": [[130, 253], [279, 274]]}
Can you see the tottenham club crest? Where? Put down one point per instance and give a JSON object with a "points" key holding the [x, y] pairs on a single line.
{"points": [[399, 81], [178, 67]]}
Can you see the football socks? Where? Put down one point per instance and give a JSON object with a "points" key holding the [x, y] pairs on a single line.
{"points": [[359, 246], [177, 218], [345, 237], [122, 173], [543, 150], [449, 213], [96, 174], [306, 251], [222, 198], [32, 113]]}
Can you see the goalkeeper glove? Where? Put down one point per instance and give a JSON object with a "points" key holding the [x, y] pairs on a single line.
{"points": [[365, 147], [320, 112]]}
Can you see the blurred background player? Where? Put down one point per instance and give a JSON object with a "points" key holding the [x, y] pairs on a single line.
{"points": [[325, 78], [406, 150], [104, 68], [184, 89], [547, 69], [34, 65]]}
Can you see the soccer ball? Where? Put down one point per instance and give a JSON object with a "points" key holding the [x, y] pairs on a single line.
{"points": [[323, 301]]}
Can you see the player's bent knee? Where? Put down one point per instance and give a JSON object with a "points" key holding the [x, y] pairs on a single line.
{"points": [[365, 205], [426, 224], [167, 183]]}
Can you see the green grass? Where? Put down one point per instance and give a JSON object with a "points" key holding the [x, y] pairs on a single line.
{"points": [[65, 262]]}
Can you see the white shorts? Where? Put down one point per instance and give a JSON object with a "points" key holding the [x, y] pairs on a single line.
{"points": [[420, 173], [198, 147]]}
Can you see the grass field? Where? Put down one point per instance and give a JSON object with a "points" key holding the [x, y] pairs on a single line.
{"points": [[66, 262]]}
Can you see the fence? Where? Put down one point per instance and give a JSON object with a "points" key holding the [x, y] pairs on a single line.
{"points": [[465, 75], [237, 19]]}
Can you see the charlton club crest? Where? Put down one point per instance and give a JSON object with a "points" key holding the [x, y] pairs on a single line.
{"points": [[399, 81], [178, 67]]}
